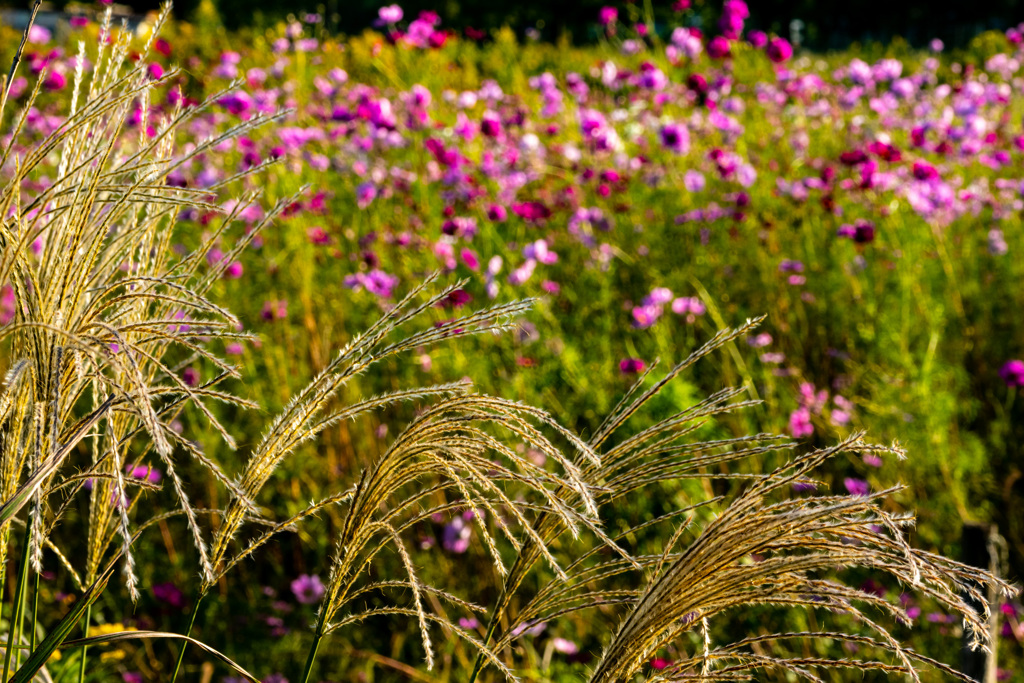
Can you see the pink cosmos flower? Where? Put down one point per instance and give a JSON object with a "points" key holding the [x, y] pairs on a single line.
{"points": [[694, 181], [566, 647], [856, 487], [1012, 373], [631, 366], [318, 236], [170, 594], [719, 48], [800, 423], [308, 589], [608, 15], [779, 50], [390, 14], [39, 35]]}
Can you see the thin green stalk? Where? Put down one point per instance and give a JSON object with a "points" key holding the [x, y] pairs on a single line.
{"points": [[35, 611], [85, 649], [184, 646], [13, 635], [317, 637], [492, 624]]}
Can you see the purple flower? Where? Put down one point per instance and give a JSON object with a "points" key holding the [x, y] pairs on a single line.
{"points": [[694, 181], [675, 137], [308, 589], [863, 232], [1012, 373], [132, 677], [790, 266], [365, 194], [456, 535], [170, 594], [996, 242], [190, 376]]}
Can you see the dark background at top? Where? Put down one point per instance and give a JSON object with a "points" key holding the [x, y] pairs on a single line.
{"points": [[828, 25]]}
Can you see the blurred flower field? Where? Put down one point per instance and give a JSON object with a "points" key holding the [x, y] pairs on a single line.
{"points": [[647, 191]]}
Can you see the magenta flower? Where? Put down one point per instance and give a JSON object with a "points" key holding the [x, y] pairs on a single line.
{"points": [[308, 589], [757, 39], [318, 236], [608, 15], [274, 310], [532, 212], [7, 304], [779, 50], [646, 315], [863, 232], [800, 422], [146, 472], [631, 366], [365, 194], [856, 487], [233, 271], [1012, 373], [497, 213], [689, 306], [190, 376], [719, 48], [55, 80]]}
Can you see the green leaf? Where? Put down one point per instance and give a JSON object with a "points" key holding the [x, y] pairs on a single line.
{"points": [[132, 635]]}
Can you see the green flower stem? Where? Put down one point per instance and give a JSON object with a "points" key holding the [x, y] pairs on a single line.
{"points": [[14, 628], [184, 646], [85, 649], [317, 637], [492, 626], [35, 611]]}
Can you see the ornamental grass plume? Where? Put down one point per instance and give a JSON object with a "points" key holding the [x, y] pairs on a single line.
{"points": [[97, 343], [763, 548]]}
